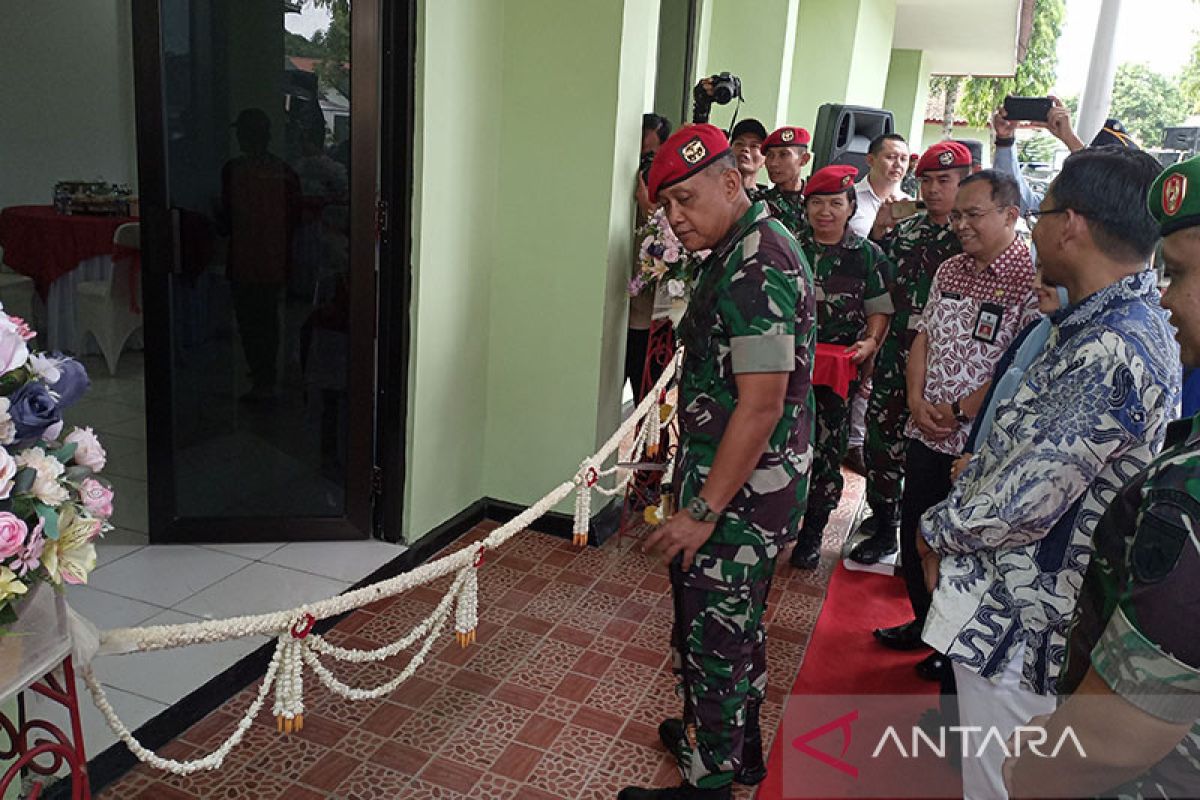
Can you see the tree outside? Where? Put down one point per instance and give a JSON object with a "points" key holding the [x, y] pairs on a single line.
{"points": [[1147, 103]]}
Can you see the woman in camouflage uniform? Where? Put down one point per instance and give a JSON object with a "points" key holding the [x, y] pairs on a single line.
{"points": [[853, 310]]}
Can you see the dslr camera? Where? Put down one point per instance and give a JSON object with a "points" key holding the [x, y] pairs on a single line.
{"points": [[721, 89]]}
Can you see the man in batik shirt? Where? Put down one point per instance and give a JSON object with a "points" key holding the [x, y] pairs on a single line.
{"points": [[1133, 659], [1008, 547], [980, 300], [745, 410], [853, 307], [916, 246], [786, 153]]}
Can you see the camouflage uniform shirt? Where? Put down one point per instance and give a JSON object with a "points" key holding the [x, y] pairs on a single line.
{"points": [[752, 310], [850, 283], [788, 208], [1137, 616], [916, 247]]}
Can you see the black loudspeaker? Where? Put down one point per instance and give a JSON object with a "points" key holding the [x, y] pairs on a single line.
{"points": [[843, 134], [1187, 139]]}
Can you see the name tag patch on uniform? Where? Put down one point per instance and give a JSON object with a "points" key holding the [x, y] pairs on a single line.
{"points": [[952, 296], [987, 324]]}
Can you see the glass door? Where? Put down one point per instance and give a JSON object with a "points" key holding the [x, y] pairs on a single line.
{"points": [[258, 171]]}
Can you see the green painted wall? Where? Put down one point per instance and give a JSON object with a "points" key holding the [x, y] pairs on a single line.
{"points": [[841, 56], [753, 41], [455, 199], [556, 324], [907, 92]]}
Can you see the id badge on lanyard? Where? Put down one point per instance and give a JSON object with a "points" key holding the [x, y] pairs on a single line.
{"points": [[987, 323]]}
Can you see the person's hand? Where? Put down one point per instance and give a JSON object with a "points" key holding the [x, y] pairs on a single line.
{"points": [[1002, 127], [861, 350], [1013, 746], [642, 195], [884, 221], [959, 465], [679, 534], [931, 564], [945, 417], [1058, 122], [928, 419]]}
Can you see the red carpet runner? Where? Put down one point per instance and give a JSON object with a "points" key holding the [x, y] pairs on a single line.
{"points": [[843, 657]]}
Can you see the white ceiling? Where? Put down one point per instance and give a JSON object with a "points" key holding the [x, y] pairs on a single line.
{"points": [[961, 37]]}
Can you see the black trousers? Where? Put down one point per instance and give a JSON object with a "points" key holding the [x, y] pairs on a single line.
{"points": [[926, 483]]}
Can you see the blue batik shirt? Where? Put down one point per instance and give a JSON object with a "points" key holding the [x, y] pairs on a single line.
{"points": [[1015, 534]]}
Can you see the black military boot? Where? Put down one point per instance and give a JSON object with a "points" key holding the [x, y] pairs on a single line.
{"points": [[883, 541], [807, 552], [751, 773], [682, 792]]}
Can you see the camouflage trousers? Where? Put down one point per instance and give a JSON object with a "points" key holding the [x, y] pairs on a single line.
{"points": [[719, 652], [883, 452], [832, 437]]}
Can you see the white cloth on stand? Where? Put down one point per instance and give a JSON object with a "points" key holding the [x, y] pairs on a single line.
{"points": [[55, 319]]}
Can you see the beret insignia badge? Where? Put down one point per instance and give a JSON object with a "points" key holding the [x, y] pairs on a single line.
{"points": [[1173, 191], [846, 181], [693, 152], [788, 135], [946, 158]]}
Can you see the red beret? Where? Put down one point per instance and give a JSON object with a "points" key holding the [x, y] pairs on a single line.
{"points": [[831, 180], [787, 136], [944, 155], [686, 152]]}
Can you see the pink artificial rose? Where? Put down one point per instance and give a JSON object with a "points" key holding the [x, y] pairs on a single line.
{"points": [[27, 333], [13, 532], [88, 452], [97, 498], [13, 350]]}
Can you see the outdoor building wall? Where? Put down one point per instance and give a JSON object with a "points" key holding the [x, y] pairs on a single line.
{"points": [[456, 163], [68, 102], [907, 93], [842, 50], [755, 42], [557, 317]]}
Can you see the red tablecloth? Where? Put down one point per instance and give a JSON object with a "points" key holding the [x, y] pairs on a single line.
{"points": [[833, 368], [45, 245]]}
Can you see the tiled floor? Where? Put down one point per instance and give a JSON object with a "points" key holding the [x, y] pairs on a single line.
{"points": [[559, 699]]}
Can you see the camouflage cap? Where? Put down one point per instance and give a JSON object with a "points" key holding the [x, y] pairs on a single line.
{"points": [[1172, 201]]}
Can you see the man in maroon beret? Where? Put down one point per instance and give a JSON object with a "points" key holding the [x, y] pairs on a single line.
{"points": [[786, 151], [916, 245], [745, 419]]}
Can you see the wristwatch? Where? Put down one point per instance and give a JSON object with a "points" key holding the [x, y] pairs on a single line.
{"points": [[698, 509], [959, 416]]}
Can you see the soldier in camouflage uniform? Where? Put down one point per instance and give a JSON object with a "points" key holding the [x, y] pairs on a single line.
{"points": [[786, 153], [1136, 630], [853, 307], [916, 246], [746, 140], [745, 390]]}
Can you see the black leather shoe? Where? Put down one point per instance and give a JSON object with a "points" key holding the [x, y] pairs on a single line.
{"points": [[875, 547], [682, 792], [901, 637], [752, 772], [854, 461], [933, 667]]}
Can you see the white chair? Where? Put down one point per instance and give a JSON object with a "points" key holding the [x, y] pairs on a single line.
{"points": [[106, 309]]}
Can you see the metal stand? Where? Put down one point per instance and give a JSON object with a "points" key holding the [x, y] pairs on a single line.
{"points": [[26, 745]]}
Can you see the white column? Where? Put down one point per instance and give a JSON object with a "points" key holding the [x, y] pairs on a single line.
{"points": [[1097, 92]]}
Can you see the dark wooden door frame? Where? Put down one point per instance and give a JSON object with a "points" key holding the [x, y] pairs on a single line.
{"points": [[382, 54]]}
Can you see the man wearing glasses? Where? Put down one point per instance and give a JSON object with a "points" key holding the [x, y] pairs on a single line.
{"points": [[980, 300], [1009, 546]]}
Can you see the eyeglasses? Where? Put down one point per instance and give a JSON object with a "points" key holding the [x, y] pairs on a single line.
{"points": [[972, 216], [1034, 214]]}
